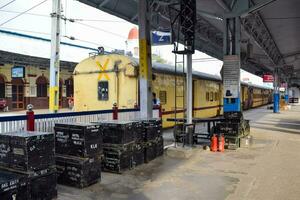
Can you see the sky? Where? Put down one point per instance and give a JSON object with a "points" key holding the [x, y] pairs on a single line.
{"points": [[92, 28]]}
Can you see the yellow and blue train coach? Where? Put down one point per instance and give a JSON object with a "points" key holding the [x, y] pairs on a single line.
{"points": [[103, 80]]}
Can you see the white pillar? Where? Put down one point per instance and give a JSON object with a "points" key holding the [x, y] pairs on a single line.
{"points": [[54, 59], [145, 69], [189, 89]]}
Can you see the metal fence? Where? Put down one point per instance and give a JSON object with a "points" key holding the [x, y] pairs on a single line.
{"points": [[46, 122]]}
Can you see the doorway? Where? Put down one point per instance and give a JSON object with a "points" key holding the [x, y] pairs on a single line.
{"points": [[60, 97], [2, 87], [17, 91]]}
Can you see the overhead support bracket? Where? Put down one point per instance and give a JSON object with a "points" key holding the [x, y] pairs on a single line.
{"points": [[209, 15], [103, 3], [250, 18], [256, 8], [245, 12]]}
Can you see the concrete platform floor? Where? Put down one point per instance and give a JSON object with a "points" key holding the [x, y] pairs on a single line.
{"points": [[268, 170]]}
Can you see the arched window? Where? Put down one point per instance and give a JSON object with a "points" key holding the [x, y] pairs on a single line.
{"points": [[69, 87], [2, 87], [41, 86]]}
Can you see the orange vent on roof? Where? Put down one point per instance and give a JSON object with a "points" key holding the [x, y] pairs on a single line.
{"points": [[133, 34]]}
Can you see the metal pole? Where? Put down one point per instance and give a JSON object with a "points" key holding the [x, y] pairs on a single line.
{"points": [[145, 68], [189, 89], [276, 92], [54, 60], [286, 96]]}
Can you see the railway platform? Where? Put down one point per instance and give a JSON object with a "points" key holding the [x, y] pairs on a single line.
{"points": [[269, 169]]}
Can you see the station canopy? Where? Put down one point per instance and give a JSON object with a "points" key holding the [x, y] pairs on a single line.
{"points": [[270, 34]]}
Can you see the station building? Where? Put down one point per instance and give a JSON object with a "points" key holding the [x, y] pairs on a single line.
{"points": [[28, 83], [24, 70]]}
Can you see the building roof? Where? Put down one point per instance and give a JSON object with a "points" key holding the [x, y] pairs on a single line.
{"points": [[24, 44]]}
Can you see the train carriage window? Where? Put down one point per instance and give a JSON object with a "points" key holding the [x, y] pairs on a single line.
{"points": [[216, 96], [211, 96], [103, 90], [163, 97], [207, 96]]}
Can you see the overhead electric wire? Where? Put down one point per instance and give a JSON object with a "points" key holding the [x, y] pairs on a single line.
{"points": [[23, 13], [99, 20], [86, 41], [73, 19], [33, 14], [28, 31], [205, 60], [100, 29], [65, 36], [7, 4], [76, 20]]}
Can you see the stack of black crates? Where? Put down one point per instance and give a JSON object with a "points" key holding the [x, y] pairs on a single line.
{"points": [[127, 144], [27, 166], [233, 128], [119, 143], [78, 149], [153, 140]]}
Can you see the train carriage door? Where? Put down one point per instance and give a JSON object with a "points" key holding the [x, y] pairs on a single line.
{"points": [[2, 87], [250, 97], [17, 91], [193, 99]]}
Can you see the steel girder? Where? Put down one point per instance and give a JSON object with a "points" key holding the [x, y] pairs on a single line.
{"points": [[256, 28], [208, 38]]}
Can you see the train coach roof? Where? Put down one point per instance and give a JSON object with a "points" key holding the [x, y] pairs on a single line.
{"points": [[170, 69]]}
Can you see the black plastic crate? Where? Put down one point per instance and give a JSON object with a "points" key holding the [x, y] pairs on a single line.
{"points": [[78, 139], [150, 151], [233, 129], [138, 155], [30, 151], [139, 132], [62, 139], [78, 172], [228, 128], [118, 131], [233, 116], [117, 159], [159, 146], [43, 186], [10, 185], [5, 150], [152, 128], [39, 185]]}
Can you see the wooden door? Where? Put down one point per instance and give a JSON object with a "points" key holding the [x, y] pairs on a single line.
{"points": [[17, 91]]}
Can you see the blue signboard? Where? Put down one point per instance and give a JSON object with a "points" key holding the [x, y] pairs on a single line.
{"points": [[161, 38]]}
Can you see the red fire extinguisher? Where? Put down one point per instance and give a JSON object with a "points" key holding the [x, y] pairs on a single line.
{"points": [[221, 143], [214, 143]]}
